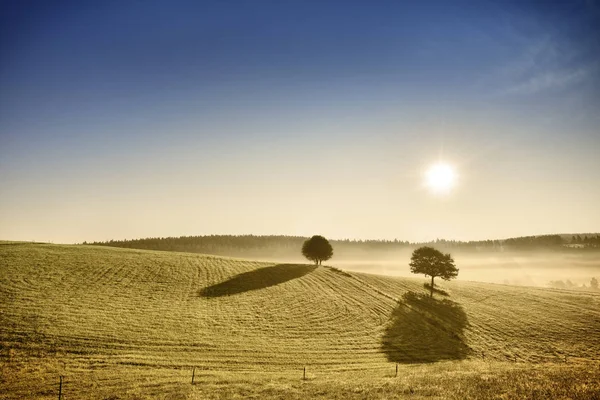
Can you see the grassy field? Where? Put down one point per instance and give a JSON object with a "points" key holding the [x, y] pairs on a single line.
{"points": [[132, 324]]}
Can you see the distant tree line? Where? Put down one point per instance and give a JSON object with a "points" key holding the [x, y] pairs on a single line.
{"points": [[559, 284], [250, 245], [586, 241], [212, 244], [281, 246]]}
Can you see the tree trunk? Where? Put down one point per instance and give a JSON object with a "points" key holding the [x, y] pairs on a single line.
{"points": [[431, 293]]}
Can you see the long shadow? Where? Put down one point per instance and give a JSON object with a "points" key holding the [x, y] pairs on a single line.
{"points": [[423, 330], [257, 279]]}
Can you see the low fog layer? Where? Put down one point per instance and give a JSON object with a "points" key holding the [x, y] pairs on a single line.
{"points": [[515, 268], [568, 261]]}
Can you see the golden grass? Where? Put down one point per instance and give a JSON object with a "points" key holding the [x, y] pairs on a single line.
{"points": [[129, 323]]}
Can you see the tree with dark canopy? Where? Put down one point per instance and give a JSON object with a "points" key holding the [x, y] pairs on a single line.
{"points": [[317, 249], [431, 262]]}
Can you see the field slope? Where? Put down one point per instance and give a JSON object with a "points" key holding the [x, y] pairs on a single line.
{"points": [[133, 323]]}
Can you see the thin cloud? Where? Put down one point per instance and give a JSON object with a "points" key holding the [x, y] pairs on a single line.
{"points": [[549, 80], [541, 52], [545, 65]]}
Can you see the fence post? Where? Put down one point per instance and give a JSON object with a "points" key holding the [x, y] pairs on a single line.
{"points": [[396, 370], [60, 388], [193, 374], [304, 376]]}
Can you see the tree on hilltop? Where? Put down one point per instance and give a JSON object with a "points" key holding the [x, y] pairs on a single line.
{"points": [[431, 262], [317, 249]]}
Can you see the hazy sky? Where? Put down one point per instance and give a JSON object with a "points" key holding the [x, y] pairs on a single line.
{"points": [[125, 119]]}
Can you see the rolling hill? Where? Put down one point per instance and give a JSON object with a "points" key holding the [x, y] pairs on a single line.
{"points": [[133, 324]]}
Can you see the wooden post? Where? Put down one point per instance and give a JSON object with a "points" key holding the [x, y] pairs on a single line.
{"points": [[193, 374], [396, 370], [60, 388], [483, 355], [304, 376]]}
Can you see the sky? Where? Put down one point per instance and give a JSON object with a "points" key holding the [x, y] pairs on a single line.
{"points": [[130, 119]]}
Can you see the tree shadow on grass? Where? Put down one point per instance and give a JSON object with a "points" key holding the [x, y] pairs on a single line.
{"points": [[257, 279], [423, 330]]}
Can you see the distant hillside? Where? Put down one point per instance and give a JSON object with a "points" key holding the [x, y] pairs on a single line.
{"points": [[87, 311], [287, 246]]}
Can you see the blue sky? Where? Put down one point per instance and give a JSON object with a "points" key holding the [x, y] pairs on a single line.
{"points": [[132, 119]]}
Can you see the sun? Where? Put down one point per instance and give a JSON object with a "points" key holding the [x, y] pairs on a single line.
{"points": [[440, 178]]}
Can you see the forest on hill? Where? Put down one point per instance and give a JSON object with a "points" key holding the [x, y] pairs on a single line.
{"points": [[285, 246]]}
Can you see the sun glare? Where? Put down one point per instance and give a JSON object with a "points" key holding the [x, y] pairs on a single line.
{"points": [[440, 178]]}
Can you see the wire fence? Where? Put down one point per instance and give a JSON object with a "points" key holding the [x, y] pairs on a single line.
{"points": [[62, 386]]}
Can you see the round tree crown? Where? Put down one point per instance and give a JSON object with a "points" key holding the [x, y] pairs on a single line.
{"points": [[429, 261], [317, 249]]}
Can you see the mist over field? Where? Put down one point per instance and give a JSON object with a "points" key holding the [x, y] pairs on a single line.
{"points": [[518, 268], [511, 268], [527, 261]]}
